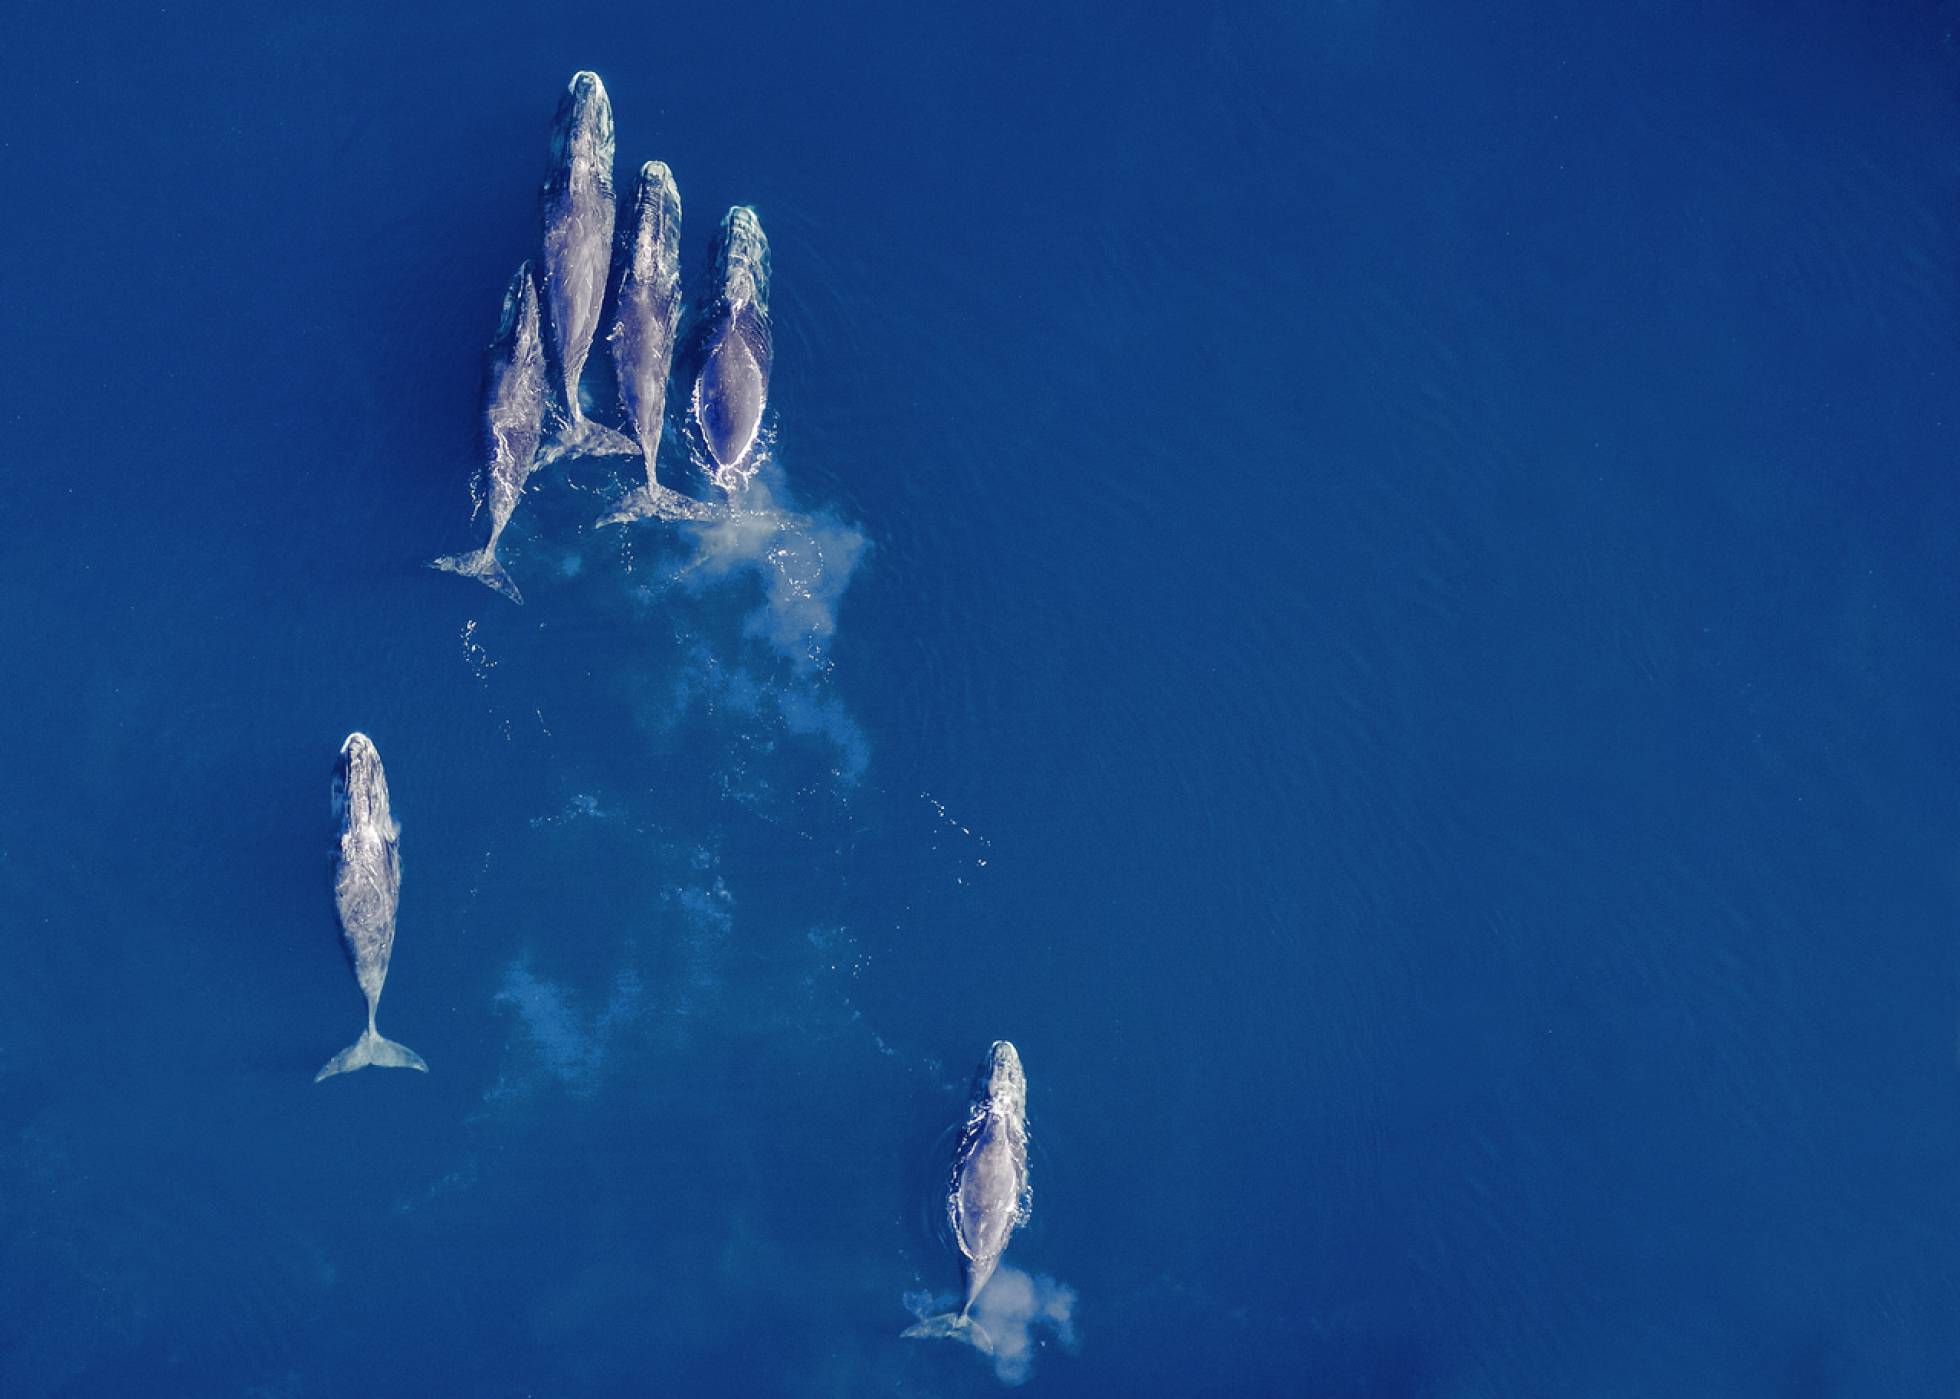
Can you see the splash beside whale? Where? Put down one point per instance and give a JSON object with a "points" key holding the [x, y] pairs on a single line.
{"points": [[367, 891], [513, 415], [989, 1196], [732, 388]]}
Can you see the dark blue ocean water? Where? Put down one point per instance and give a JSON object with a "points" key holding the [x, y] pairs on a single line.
{"points": [[1373, 584]]}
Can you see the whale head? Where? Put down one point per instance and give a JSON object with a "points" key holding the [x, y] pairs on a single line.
{"points": [[1004, 1082], [360, 788], [584, 126]]}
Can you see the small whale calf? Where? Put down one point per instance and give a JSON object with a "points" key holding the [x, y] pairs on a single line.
{"points": [[990, 1196], [642, 336], [578, 212], [732, 387], [513, 417], [367, 890]]}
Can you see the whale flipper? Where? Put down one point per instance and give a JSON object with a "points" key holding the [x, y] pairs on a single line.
{"points": [[658, 503], [481, 564], [370, 1048], [952, 1326]]}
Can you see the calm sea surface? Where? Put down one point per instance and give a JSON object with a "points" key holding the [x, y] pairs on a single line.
{"points": [[1372, 584]]}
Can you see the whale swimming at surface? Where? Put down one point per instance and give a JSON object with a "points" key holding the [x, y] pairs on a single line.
{"points": [[642, 337], [367, 891], [732, 387], [578, 213], [513, 416], [990, 1196]]}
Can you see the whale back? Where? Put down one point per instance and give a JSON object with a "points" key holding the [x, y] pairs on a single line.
{"points": [[578, 214], [649, 303], [990, 1194], [515, 393], [367, 875], [731, 391]]}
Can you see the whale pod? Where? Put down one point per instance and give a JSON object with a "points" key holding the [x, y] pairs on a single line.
{"points": [[367, 891]]}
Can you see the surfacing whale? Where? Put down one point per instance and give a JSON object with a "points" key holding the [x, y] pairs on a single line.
{"points": [[990, 1195], [642, 336], [367, 890], [732, 387], [577, 207], [513, 415]]}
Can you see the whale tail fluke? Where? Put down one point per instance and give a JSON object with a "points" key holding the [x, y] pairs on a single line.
{"points": [[581, 437], [481, 564], [952, 1326], [655, 502], [370, 1048]]}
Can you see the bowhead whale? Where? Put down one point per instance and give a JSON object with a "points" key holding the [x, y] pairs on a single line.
{"points": [[578, 213], [989, 1195], [513, 415], [732, 387], [367, 890], [642, 336]]}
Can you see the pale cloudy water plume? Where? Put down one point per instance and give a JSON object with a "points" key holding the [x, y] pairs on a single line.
{"points": [[1020, 1312], [559, 1042], [804, 563]]}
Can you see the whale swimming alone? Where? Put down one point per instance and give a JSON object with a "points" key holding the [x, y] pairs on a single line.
{"points": [[513, 416], [367, 890], [642, 337], [990, 1195], [732, 387], [578, 212]]}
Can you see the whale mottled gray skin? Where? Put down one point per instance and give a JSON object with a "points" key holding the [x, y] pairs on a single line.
{"points": [[990, 1196], [732, 387], [513, 416], [643, 331], [367, 889], [577, 205]]}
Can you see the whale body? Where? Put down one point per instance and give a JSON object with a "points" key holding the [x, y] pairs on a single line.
{"points": [[989, 1196], [513, 416], [643, 331], [578, 213], [732, 388], [367, 891]]}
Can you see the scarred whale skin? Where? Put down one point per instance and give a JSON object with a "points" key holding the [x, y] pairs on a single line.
{"points": [[367, 891], [642, 338], [732, 388], [513, 416], [578, 213], [989, 1196]]}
